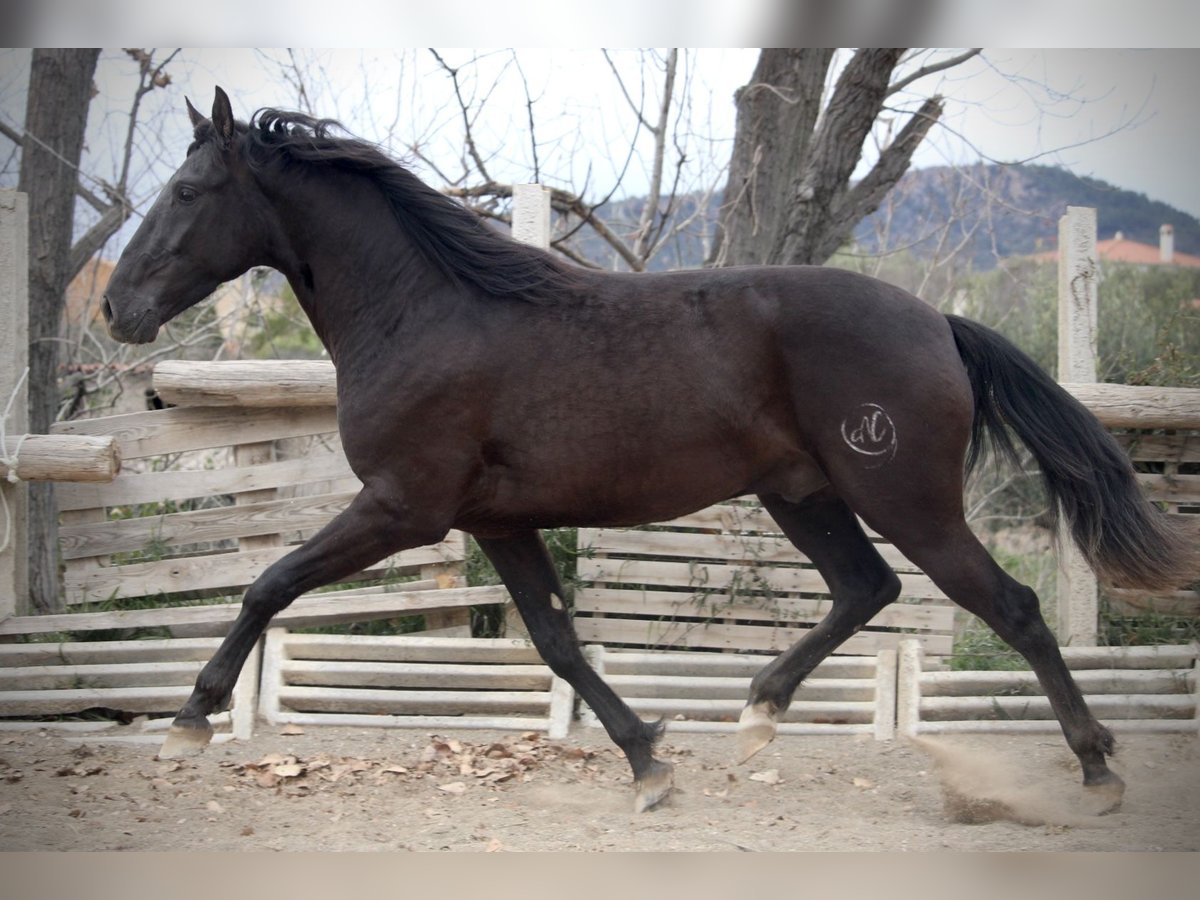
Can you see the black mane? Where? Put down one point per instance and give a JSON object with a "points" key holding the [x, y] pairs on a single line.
{"points": [[451, 237]]}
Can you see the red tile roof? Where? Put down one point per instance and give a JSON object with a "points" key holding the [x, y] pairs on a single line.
{"points": [[1121, 249]]}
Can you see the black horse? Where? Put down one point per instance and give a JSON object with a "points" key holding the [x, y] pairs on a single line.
{"points": [[566, 396]]}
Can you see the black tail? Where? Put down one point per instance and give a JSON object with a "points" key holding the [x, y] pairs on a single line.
{"points": [[1124, 537]]}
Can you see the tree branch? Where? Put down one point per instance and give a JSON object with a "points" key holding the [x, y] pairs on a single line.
{"points": [[864, 198], [91, 199], [933, 67], [650, 208], [563, 201]]}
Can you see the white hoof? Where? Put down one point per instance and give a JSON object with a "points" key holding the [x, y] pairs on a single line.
{"points": [[756, 729], [185, 741], [654, 787]]}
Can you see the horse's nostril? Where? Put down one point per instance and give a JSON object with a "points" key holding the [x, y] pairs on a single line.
{"points": [[106, 309]]}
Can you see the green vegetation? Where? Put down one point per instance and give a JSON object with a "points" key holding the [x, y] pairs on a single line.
{"points": [[281, 330]]}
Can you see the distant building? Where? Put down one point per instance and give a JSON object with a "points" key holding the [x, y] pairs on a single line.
{"points": [[1120, 249]]}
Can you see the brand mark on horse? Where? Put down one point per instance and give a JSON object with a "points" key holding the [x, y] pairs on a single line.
{"points": [[874, 435]]}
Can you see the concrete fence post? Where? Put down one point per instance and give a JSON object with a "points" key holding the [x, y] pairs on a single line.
{"points": [[1078, 603], [531, 215], [530, 225]]}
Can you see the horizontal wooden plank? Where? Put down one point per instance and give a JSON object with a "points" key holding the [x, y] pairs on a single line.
{"points": [[806, 729], [1170, 603], [1179, 447], [830, 690], [201, 525], [1051, 726], [759, 548], [312, 609], [83, 653], [689, 545], [1090, 681], [1139, 406], [60, 726], [86, 581], [737, 518], [132, 488], [210, 525], [61, 458], [422, 722], [842, 712], [160, 431], [46, 678], [716, 577], [1164, 656], [395, 702], [732, 518], [135, 700], [1103, 706], [410, 648], [649, 633], [619, 601], [649, 663], [442, 676], [266, 383], [1171, 488]]}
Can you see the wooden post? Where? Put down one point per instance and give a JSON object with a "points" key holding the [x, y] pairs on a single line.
{"points": [[256, 454], [1078, 605], [14, 359]]}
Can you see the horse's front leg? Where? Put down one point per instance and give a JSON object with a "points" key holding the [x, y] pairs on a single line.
{"points": [[525, 566], [369, 529]]}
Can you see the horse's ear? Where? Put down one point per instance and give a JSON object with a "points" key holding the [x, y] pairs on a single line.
{"points": [[194, 114], [222, 118]]}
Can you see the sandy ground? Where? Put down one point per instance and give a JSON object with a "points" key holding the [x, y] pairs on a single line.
{"points": [[354, 789]]}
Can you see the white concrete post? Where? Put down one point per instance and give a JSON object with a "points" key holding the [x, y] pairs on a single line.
{"points": [[14, 358], [1078, 603], [531, 215], [530, 225]]}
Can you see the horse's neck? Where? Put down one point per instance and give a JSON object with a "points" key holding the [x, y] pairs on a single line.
{"points": [[354, 270]]}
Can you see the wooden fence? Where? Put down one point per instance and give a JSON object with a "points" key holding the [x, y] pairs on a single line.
{"points": [[726, 578], [1127, 688], [227, 509], [411, 681], [707, 691]]}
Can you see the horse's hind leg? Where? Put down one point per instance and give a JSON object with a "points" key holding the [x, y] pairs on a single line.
{"points": [[525, 566], [959, 564], [860, 582]]}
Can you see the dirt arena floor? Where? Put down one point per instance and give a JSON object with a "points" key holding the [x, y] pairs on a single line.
{"points": [[356, 789]]}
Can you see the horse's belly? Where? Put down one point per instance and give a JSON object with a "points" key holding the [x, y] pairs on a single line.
{"points": [[632, 490]]}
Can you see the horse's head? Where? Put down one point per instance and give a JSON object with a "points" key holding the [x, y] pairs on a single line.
{"points": [[205, 228]]}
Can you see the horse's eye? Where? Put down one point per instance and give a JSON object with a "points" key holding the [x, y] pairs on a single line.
{"points": [[186, 195]]}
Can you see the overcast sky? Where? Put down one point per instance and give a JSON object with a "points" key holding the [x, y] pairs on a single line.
{"points": [[1129, 117]]}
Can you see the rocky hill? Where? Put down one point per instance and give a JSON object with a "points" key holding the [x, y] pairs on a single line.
{"points": [[986, 211]]}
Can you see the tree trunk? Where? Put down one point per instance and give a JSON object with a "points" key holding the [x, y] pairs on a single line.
{"points": [[789, 199], [60, 86]]}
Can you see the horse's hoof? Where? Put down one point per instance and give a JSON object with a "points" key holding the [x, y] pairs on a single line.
{"points": [[185, 740], [756, 729], [654, 786], [1104, 796]]}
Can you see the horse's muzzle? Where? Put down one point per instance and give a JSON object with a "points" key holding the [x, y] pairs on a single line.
{"points": [[130, 328]]}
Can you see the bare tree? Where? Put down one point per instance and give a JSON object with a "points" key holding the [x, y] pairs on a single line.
{"points": [[56, 114], [60, 92], [656, 109], [789, 198]]}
